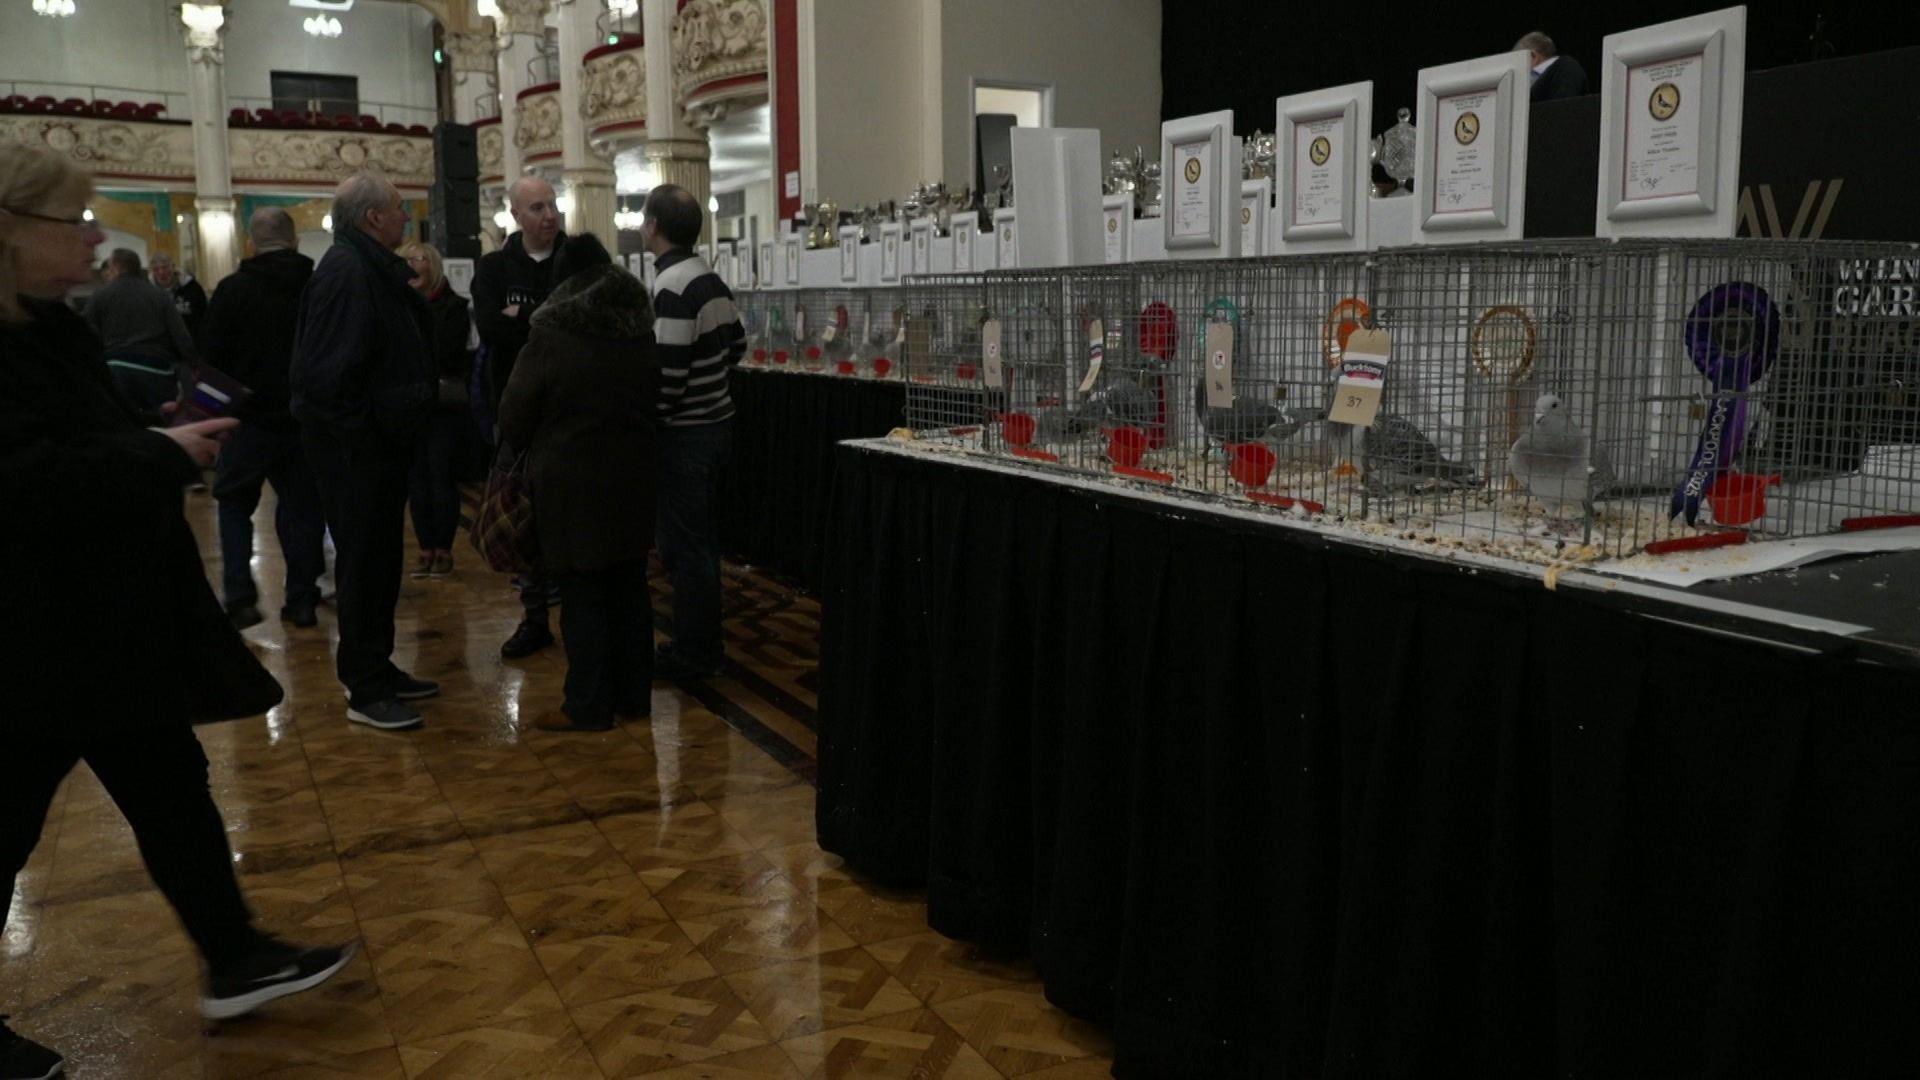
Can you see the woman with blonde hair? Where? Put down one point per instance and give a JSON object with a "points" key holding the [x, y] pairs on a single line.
{"points": [[435, 497], [128, 646]]}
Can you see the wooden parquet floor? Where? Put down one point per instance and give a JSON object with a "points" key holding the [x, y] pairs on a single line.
{"points": [[649, 902]]}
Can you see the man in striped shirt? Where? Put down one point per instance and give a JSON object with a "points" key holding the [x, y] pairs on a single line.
{"points": [[699, 339]]}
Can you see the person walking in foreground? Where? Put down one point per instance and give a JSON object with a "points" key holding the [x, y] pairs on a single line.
{"points": [[435, 498], [249, 336], [129, 647], [147, 345], [700, 339], [581, 400], [509, 285], [362, 390]]}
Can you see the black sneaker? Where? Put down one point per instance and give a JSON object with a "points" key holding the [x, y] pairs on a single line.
{"points": [[409, 688], [274, 970], [530, 638], [390, 714], [670, 666], [301, 615], [23, 1059], [244, 616]]}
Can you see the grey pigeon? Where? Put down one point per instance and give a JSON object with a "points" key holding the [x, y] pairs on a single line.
{"points": [[1557, 462], [1058, 423], [1396, 454], [1126, 405], [1244, 421]]}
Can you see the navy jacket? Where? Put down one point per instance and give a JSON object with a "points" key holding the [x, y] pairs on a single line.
{"points": [[362, 352]]}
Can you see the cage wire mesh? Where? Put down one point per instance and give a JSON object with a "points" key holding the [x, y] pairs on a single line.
{"points": [[752, 305], [1551, 401], [940, 356]]}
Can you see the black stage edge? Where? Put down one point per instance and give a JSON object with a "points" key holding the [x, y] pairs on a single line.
{"points": [[772, 504], [1274, 805]]}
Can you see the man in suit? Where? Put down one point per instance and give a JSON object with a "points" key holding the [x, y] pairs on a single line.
{"points": [[1554, 76]]}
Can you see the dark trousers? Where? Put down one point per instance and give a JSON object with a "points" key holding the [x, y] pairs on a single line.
{"points": [[255, 456], [158, 779], [435, 495], [363, 488], [690, 462], [607, 621]]}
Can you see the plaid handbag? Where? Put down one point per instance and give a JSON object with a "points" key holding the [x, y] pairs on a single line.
{"points": [[503, 530]]}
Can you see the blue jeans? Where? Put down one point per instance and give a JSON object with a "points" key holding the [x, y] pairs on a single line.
{"points": [[691, 459], [254, 456]]}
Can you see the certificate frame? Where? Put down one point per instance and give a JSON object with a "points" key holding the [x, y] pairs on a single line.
{"points": [[849, 254], [795, 250], [1006, 239], [723, 263], [1251, 215], [763, 272], [1116, 226], [966, 230], [1219, 153], [920, 248], [1507, 77], [1352, 107], [893, 252], [1719, 40]]}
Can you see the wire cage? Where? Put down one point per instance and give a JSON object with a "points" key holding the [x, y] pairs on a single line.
{"points": [[753, 304], [940, 356]]}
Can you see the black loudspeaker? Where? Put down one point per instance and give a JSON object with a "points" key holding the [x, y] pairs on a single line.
{"points": [[456, 153], [453, 217]]}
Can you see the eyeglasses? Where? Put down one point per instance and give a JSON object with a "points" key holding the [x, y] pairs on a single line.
{"points": [[81, 220]]}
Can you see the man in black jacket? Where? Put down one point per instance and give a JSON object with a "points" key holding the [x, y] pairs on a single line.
{"points": [[1554, 76], [189, 299], [509, 285], [249, 335], [362, 383]]}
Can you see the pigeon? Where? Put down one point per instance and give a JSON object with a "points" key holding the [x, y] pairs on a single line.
{"points": [[1059, 423], [1243, 421], [1126, 405], [1557, 462], [1394, 453], [838, 345]]}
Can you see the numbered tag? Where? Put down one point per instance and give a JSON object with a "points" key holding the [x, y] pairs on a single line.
{"points": [[799, 324], [1219, 357], [1096, 354], [990, 352], [1363, 375], [830, 333], [900, 321]]}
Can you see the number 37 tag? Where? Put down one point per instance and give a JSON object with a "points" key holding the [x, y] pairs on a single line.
{"points": [[1363, 374]]}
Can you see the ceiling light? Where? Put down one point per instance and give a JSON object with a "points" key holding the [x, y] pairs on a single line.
{"points": [[326, 222], [203, 19], [87, 214], [322, 26], [57, 9]]}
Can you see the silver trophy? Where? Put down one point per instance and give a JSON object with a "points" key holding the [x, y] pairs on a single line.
{"points": [[1256, 156], [1135, 175], [1393, 151]]}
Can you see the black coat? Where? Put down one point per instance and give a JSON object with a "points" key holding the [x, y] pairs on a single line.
{"points": [[1564, 78], [508, 278], [452, 329], [362, 354], [249, 330], [582, 401], [114, 626], [190, 300]]}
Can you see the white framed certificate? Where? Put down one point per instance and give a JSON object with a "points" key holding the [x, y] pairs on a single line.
{"points": [[793, 246], [763, 273], [1324, 168], [920, 257], [1671, 110], [1200, 184], [1116, 226], [723, 263], [966, 228], [890, 253], [849, 254], [1470, 165], [1006, 239], [1255, 195]]}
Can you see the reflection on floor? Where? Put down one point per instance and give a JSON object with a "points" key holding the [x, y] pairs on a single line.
{"points": [[648, 902]]}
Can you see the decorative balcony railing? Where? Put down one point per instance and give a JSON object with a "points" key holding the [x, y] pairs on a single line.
{"points": [[719, 54], [537, 133], [615, 101]]}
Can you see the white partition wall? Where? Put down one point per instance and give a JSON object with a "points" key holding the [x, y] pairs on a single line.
{"points": [[1470, 168], [1057, 175]]}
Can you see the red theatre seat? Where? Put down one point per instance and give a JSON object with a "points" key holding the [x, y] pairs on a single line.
{"points": [[152, 111], [419, 129]]}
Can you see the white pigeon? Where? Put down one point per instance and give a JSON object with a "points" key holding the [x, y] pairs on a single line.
{"points": [[1557, 462]]}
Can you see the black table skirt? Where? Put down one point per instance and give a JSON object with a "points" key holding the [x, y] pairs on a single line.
{"points": [[772, 505], [1271, 805]]}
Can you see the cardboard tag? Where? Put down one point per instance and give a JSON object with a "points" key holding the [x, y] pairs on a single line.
{"points": [[1219, 357], [1096, 354], [1363, 375], [799, 324], [990, 352], [827, 335], [900, 321]]}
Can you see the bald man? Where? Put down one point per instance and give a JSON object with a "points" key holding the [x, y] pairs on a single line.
{"points": [[508, 286], [363, 388], [249, 335]]}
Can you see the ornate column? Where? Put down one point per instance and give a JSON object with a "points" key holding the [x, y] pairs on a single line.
{"points": [[202, 25], [476, 76], [521, 25], [588, 176], [676, 150]]}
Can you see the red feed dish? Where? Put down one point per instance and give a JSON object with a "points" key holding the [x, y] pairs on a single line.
{"points": [[1126, 446], [965, 372], [844, 367], [1696, 543], [813, 352], [780, 356], [881, 366], [1740, 498], [1250, 463], [1018, 428], [759, 356]]}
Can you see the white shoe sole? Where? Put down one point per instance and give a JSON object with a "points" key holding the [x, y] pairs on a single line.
{"points": [[358, 717], [235, 1007]]}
